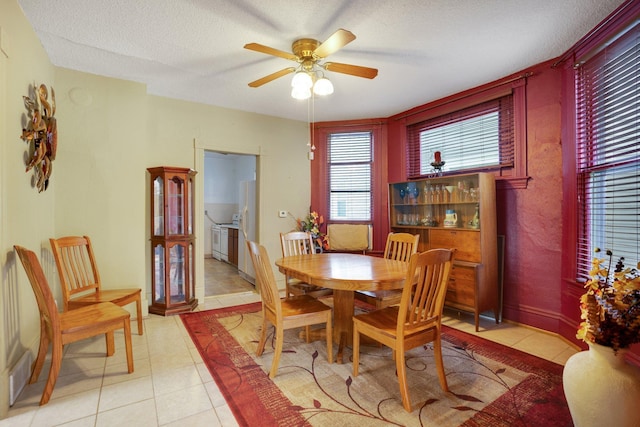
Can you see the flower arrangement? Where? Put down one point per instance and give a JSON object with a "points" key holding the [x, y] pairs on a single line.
{"points": [[611, 306], [312, 224]]}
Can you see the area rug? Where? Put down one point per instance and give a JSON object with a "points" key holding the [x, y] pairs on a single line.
{"points": [[489, 384]]}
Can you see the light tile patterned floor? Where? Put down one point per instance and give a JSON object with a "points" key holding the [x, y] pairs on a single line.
{"points": [[171, 385]]}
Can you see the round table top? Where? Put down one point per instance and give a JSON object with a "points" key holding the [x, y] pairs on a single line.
{"points": [[345, 271]]}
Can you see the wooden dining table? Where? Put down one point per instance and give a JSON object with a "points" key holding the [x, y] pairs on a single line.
{"points": [[344, 273]]}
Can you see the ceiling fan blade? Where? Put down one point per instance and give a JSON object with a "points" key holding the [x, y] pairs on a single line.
{"points": [[353, 70], [270, 77], [270, 51], [336, 41]]}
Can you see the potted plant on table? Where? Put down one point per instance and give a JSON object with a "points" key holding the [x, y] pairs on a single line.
{"points": [[610, 310], [313, 223]]}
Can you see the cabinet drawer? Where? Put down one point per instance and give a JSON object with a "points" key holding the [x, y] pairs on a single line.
{"points": [[467, 243], [462, 285]]}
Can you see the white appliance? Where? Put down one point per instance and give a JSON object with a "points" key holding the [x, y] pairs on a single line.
{"points": [[220, 238], [224, 236], [216, 243], [247, 227], [224, 244]]}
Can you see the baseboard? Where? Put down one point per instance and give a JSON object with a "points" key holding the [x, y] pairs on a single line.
{"points": [[19, 376]]}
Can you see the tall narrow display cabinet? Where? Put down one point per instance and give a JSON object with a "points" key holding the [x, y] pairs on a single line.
{"points": [[172, 240], [456, 211]]}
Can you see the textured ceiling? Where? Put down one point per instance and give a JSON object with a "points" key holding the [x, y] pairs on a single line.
{"points": [[424, 50]]}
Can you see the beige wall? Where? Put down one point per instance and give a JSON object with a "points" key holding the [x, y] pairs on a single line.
{"points": [[110, 131]]}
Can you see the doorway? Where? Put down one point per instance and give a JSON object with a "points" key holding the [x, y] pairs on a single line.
{"points": [[225, 207]]}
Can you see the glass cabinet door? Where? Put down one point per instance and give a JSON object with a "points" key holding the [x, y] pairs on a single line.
{"points": [[176, 273], [158, 206], [158, 273], [175, 205]]}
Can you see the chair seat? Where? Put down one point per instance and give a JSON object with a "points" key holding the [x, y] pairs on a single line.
{"points": [[385, 321], [380, 299], [116, 296], [94, 317]]}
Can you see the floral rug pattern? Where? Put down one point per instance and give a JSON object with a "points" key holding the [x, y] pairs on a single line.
{"points": [[490, 384]]}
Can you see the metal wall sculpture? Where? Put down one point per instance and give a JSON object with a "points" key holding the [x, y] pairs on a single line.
{"points": [[41, 133]]}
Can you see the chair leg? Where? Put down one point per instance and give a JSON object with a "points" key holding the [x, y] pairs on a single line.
{"points": [[402, 379], [139, 314], [307, 332], [437, 353], [54, 370], [356, 349], [277, 352], [329, 338], [111, 345], [42, 353], [127, 343], [263, 337]]}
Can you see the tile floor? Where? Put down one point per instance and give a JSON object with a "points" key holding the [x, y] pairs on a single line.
{"points": [[221, 278], [171, 385]]}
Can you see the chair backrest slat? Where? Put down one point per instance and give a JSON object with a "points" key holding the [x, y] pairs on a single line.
{"points": [[76, 266], [44, 297], [400, 246], [425, 289], [265, 279], [296, 243]]}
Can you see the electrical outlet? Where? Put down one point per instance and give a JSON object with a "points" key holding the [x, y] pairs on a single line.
{"points": [[282, 214]]}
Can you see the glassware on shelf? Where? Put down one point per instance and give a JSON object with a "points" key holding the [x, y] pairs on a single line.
{"points": [[450, 190], [402, 194], [475, 221], [415, 191]]}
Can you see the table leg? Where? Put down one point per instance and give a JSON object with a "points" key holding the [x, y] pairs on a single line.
{"points": [[342, 320]]}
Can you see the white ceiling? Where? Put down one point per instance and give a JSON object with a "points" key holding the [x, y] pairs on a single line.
{"points": [[424, 49]]}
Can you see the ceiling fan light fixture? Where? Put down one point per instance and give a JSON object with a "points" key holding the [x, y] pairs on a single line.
{"points": [[323, 87], [300, 93], [301, 80]]}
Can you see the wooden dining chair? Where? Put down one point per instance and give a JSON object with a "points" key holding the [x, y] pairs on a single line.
{"points": [[399, 246], [80, 280], [416, 321], [300, 243], [59, 329], [294, 312]]}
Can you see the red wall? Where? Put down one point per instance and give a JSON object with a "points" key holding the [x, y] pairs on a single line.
{"points": [[531, 218]]}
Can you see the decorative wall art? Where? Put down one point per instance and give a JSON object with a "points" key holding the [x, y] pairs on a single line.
{"points": [[41, 130]]}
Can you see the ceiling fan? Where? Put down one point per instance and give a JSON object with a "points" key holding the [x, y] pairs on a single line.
{"points": [[309, 54]]}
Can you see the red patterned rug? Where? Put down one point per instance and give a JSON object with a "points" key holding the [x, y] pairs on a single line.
{"points": [[490, 384]]}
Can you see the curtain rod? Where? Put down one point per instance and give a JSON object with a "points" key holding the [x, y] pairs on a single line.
{"points": [[493, 86]]}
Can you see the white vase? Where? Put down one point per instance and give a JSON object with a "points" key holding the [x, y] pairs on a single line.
{"points": [[601, 388]]}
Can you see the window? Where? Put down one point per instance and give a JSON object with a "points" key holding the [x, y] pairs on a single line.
{"points": [[608, 159], [475, 138], [350, 158]]}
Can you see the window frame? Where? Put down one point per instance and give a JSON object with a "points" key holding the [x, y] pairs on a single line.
{"points": [[515, 177], [379, 174], [598, 39], [604, 155], [332, 189], [503, 105]]}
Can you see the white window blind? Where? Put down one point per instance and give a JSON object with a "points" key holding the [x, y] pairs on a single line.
{"points": [[350, 158], [475, 138], [608, 139]]}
